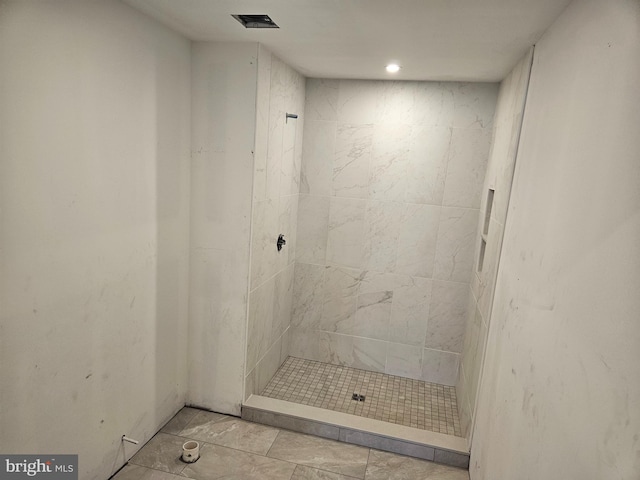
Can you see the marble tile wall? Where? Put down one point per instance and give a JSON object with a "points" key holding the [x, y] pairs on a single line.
{"points": [[508, 120], [390, 190], [223, 94], [278, 155]]}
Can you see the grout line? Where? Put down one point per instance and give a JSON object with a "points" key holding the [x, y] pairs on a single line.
{"points": [[273, 443], [402, 401]]}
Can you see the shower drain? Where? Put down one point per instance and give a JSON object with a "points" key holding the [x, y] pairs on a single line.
{"points": [[357, 397]]}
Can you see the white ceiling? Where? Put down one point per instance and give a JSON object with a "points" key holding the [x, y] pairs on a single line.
{"points": [[473, 40]]}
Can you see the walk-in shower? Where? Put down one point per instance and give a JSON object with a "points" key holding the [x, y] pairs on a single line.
{"points": [[381, 259]]}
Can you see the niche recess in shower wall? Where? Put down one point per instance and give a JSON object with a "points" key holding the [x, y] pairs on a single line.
{"points": [[391, 181], [485, 228]]}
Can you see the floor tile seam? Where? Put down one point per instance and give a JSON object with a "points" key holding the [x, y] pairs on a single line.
{"points": [[224, 417], [204, 442], [274, 441], [315, 466], [146, 466], [154, 469]]}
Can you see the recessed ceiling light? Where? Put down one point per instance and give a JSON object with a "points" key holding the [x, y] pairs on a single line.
{"points": [[256, 21], [393, 68]]}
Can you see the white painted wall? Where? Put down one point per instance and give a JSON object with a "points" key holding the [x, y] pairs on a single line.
{"points": [[561, 391], [94, 180], [223, 137]]}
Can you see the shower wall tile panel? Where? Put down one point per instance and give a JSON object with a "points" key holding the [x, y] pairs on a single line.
{"points": [[278, 160], [440, 367], [282, 302], [468, 153], [456, 243], [498, 176], [391, 178], [345, 239], [404, 360], [358, 101], [287, 224], [351, 160], [389, 162], [474, 104], [427, 164], [447, 316], [411, 305], [313, 229], [264, 257], [318, 151], [263, 94], [305, 343], [339, 298], [322, 99], [382, 222], [223, 120], [261, 302], [417, 237], [308, 294]]}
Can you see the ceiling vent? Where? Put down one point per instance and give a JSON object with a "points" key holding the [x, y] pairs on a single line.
{"points": [[256, 21]]}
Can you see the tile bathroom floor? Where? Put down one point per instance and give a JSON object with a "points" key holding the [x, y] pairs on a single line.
{"points": [[413, 403], [232, 448]]}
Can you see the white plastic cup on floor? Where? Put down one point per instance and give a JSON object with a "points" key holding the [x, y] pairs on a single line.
{"points": [[190, 451]]}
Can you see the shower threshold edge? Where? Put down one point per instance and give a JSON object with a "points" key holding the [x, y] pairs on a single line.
{"points": [[367, 432]]}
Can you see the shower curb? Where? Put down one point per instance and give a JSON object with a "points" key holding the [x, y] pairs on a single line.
{"points": [[424, 444]]}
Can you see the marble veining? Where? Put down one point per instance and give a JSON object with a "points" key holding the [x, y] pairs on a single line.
{"points": [[499, 174], [231, 432], [373, 312], [162, 453], [278, 168], [218, 462], [466, 166], [417, 237], [455, 244], [322, 99], [180, 420], [312, 451], [307, 473], [382, 223], [389, 162], [318, 150], [447, 316], [288, 456], [394, 174], [308, 294], [396, 102], [369, 354], [351, 160], [427, 162], [387, 466], [261, 311], [313, 229], [346, 231]]}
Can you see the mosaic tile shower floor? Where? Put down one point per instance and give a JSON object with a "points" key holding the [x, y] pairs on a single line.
{"points": [[403, 401]]}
